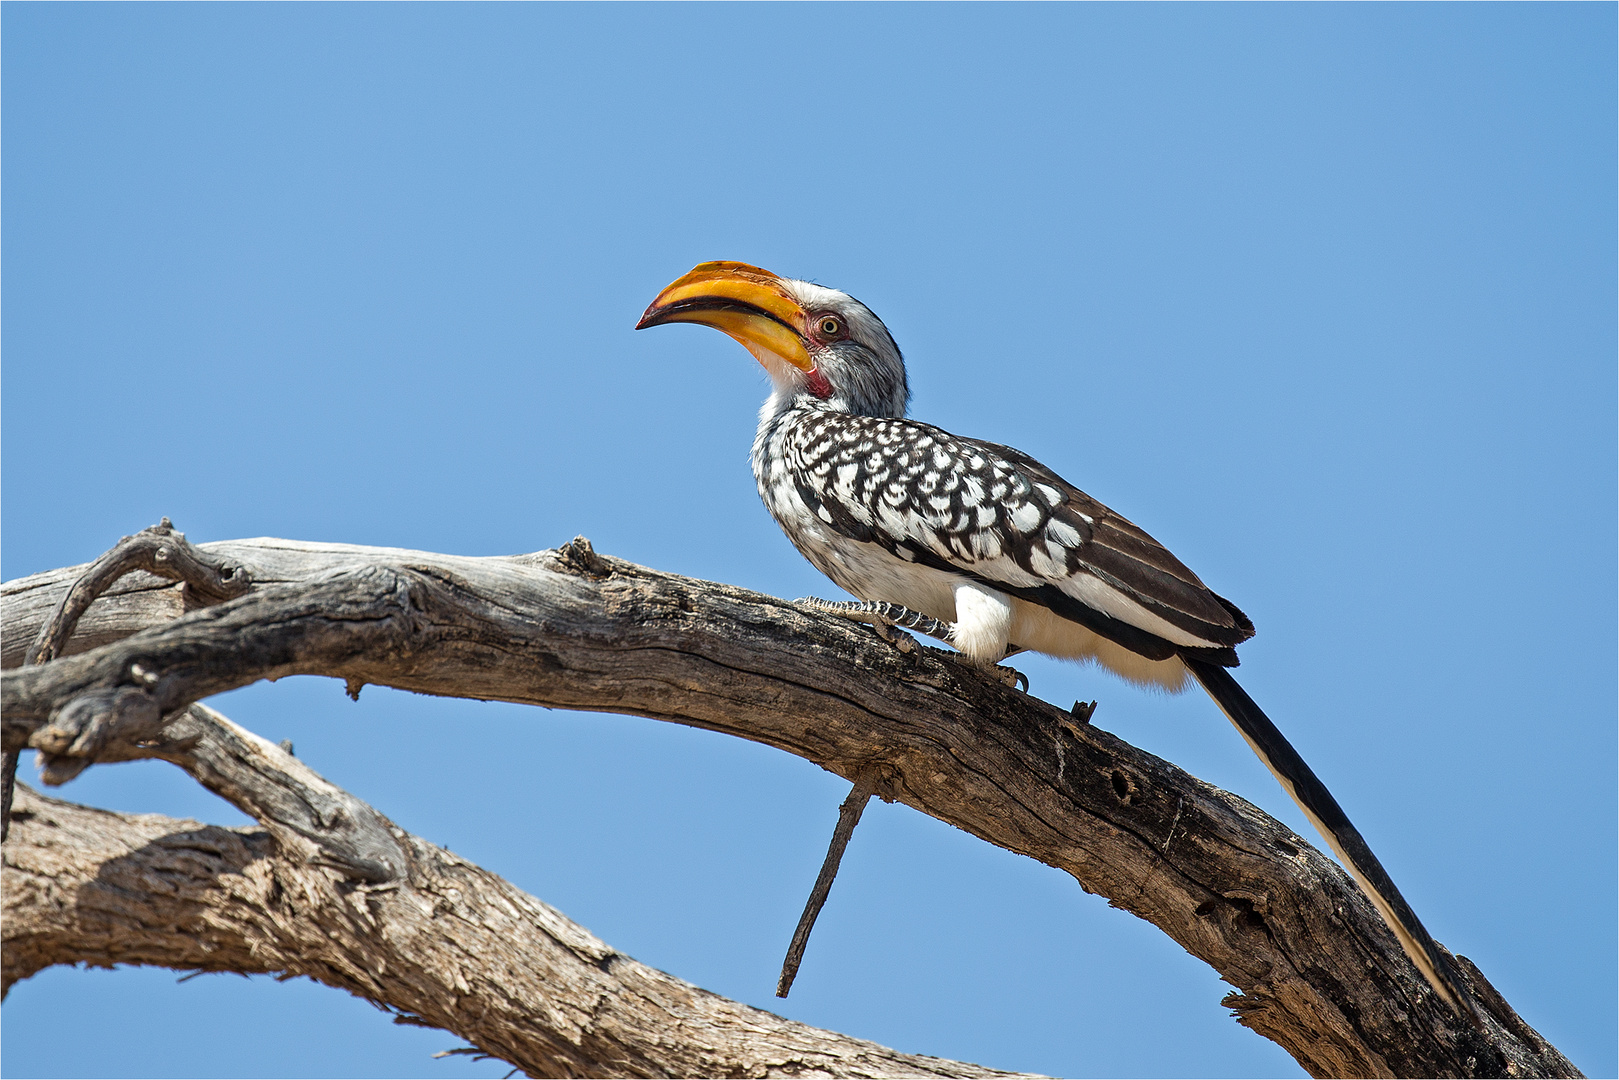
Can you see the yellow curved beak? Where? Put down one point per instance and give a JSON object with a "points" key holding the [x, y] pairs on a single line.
{"points": [[749, 304]]}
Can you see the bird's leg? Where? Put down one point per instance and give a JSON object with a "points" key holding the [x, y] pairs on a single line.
{"points": [[874, 612], [882, 617]]}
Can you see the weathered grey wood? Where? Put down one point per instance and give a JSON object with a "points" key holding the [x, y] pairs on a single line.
{"points": [[162, 552], [445, 945], [300, 808], [159, 550], [1316, 969]]}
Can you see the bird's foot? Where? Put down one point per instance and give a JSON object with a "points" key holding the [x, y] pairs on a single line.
{"points": [[883, 618], [1009, 677], [885, 630]]}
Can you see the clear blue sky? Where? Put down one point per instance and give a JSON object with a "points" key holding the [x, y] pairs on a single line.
{"points": [[1322, 296]]}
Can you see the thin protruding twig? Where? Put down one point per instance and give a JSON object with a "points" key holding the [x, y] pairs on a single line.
{"points": [[848, 817], [160, 550]]}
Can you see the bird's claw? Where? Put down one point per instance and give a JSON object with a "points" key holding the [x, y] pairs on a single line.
{"points": [[897, 638], [1011, 678]]}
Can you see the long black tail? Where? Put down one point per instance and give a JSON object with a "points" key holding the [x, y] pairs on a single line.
{"points": [[1330, 820]]}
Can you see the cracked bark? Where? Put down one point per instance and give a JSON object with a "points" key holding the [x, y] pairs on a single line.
{"points": [[441, 943], [1315, 968]]}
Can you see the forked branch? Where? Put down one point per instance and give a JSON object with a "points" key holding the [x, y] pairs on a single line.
{"points": [[159, 550], [330, 889], [1315, 968]]}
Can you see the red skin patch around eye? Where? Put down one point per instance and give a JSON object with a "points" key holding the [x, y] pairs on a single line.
{"points": [[817, 384]]}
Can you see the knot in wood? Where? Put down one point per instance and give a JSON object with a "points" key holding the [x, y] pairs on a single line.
{"points": [[578, 555]]}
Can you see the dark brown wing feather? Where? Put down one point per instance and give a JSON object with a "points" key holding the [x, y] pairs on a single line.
{"points": [[1122, 554]]}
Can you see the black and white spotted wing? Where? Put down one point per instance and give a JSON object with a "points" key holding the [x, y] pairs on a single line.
{"points": [[1000, 517]]}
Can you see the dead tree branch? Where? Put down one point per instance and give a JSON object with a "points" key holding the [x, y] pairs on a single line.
{"points": [[1316, 969], [439, 942]]}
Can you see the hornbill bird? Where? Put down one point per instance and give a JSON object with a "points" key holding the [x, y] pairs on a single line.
{"points": [[978, 543]]}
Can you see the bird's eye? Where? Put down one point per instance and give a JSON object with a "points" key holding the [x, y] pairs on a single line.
{"points": [[830, 327]]}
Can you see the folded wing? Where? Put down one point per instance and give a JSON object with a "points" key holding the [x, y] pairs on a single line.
{"points": [[1002, 518]]}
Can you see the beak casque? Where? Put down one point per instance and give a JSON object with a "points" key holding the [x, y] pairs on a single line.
{"points": [[749, 304]]}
